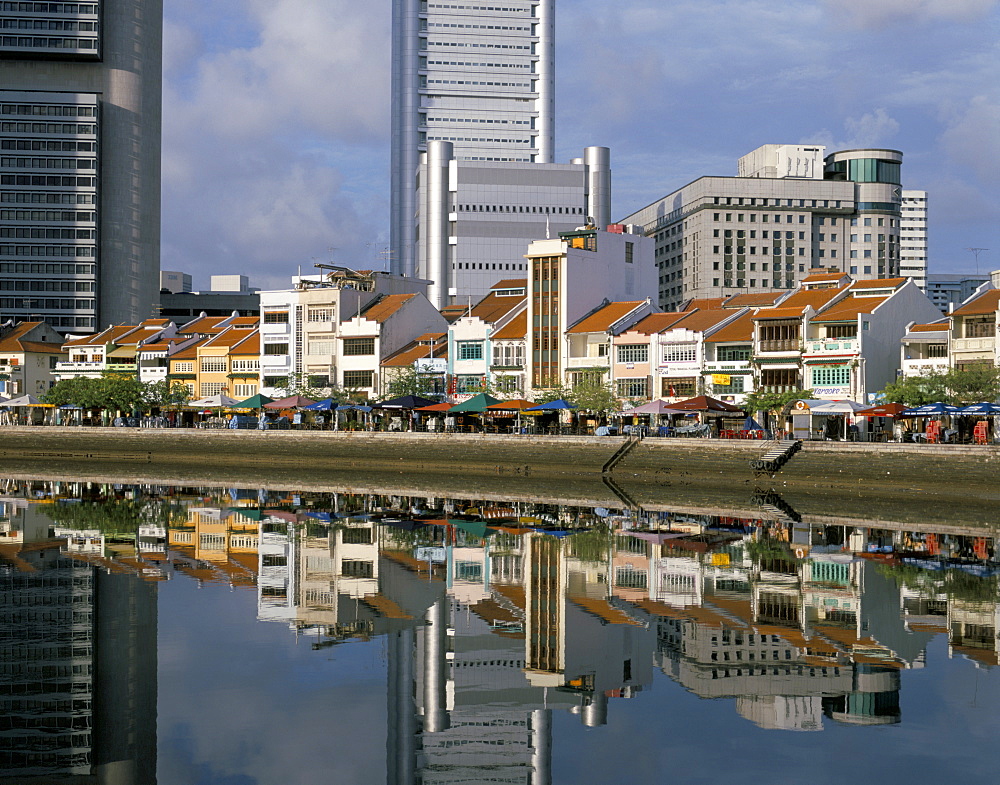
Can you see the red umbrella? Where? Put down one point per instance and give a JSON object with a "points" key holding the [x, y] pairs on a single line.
{"points": [[292, 402], [704, 403], [882, 410], [435, 407]]}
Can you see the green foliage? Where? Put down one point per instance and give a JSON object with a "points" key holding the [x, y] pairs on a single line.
{"points": [[303, 384], [115, 516], [407, 381], [956, 386], [592, 395], [763, 401], [116, 392]]}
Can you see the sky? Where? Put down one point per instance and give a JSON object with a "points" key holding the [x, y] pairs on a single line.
{"points": [[276, 114]]}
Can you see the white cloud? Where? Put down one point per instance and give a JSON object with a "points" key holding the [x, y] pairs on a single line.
{"points": [[973, 140], [877, 13], [873, 129]]}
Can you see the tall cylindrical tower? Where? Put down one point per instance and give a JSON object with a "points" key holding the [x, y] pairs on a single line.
{"points": [[598, 162]]}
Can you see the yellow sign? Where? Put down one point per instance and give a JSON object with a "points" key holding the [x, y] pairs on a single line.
{"points": [[721, 379], [720, 559]]}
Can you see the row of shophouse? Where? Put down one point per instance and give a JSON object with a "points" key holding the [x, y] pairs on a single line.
{"points": [[579, 316]]}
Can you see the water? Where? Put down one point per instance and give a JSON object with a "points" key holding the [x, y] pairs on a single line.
{"points": [[224, 636]]}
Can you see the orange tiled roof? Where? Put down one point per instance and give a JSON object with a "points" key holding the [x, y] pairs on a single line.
{"points": [[823, 278], [516, 329], [657, 322], [935, 327], [778, 313], [511, 283], [850, 309], [698, 321], [879, 283], [13, 343], [740, 330], [601, 320], [39, 347], [494, 307], [207, 324], [986, 303], [231, 337], [705, 304], [753, 299], [188, 352], [796, 304], [386, 307]]}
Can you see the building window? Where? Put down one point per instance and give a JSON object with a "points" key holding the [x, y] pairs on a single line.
{"points": [[244, 391], [323, 347], [510, 355], [208, 389], [184, 367], [983, 327], [470, 350], [356, 379], [633, 353], [937, 350], [275, 348], [275, 317], [633, 388], [213, 365], [679, 388], [324, 314], [841, 331], [724, 354], [468, 384], [629, 252], [356, 347], [734, 387], [831, 377], [680, 353]]}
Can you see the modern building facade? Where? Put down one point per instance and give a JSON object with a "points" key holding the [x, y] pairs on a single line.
{"points": [[481, 77], [80, 94], [950, 291], [476, 218], [913, 237], [784, 215]]}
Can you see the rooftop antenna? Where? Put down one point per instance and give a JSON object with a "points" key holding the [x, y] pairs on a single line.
{"points": [[976, 252]]}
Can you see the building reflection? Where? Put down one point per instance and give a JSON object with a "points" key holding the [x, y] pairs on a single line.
{"points": [[78, 662], [497, 615]]}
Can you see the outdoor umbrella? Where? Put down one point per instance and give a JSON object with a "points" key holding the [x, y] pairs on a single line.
{"points": [[654, 407], [476, 404], [552, 406], [517, 405], [291, 402], [215, 402], [980, 408], [836, 407], [752, 425], [930, 410], [405, 402], [258, 401], [705, 403], [475, 528], [322, 406], [882, 410], [434, 407], [24, 400]]}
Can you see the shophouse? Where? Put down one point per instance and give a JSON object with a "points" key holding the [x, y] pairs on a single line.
{"points": [[379, 331], [973, 332], [925, 348], [29, 352], [112, 350], [426, 358], [569, 278], [728, 349], [585, 355], [633, 354]]}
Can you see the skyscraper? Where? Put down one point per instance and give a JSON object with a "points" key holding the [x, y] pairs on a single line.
{"points": [[913, 237], [80, 169], [479, 77]]}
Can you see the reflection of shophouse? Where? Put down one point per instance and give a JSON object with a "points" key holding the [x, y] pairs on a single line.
{"points": [[472, 353], [570, 278], [29, 352]]}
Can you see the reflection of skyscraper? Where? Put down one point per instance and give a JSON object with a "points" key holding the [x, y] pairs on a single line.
{"points": [[78, 677]]}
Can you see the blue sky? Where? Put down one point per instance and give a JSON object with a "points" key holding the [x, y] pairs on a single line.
{"points": [[276, 113]]}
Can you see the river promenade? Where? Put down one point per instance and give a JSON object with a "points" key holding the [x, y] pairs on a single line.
{"points": [[899, 482]]}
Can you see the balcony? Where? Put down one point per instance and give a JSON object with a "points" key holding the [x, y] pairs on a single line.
{"points": [[79, 367], [121, 367], [973, 344], [587, 362], [271, 328], [778, 388], [274, 361], [837, 346], [787, 345]]}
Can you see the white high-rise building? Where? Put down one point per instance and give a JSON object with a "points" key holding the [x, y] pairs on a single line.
{"points": [[80, 94], [478, 76], [913, 237]]}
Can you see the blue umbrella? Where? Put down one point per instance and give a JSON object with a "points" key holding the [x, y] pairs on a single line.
{"points": [[929, 410], [980, 408], [752, 425], [552, 406], [321, 406]]}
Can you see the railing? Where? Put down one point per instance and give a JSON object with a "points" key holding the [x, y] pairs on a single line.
{"points": [[778, 388], [79, 366], [848, 345], [792, 345], [973, 344]]}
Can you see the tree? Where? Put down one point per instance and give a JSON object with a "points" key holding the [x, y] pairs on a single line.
{"points": [[957, 386], [929, 387], [763, 401]]}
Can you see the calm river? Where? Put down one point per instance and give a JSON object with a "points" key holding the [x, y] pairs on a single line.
{"points": [[227, 636]]}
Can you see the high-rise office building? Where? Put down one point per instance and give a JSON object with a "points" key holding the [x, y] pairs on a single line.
{"points": [[80, 169], [913, 237], [481, 77]]}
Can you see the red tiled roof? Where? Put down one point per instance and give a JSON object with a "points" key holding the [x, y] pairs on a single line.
{"points": [[602, 320], [740, 330], [986, 303], [657, 322], [705, 304], [823, 278], [936, 327], [13, 342], [516, 329], [880, 283], [386, 307], [753, 299], [697, 321], [850, 309]]}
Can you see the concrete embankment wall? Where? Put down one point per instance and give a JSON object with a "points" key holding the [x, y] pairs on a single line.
{"points": [[919, 483]]}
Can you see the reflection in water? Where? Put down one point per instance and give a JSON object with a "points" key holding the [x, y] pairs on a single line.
{"points": [[494, 615]]}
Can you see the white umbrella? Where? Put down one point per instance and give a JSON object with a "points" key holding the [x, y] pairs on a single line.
{"points": [[24, 400], [213, 402]]}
